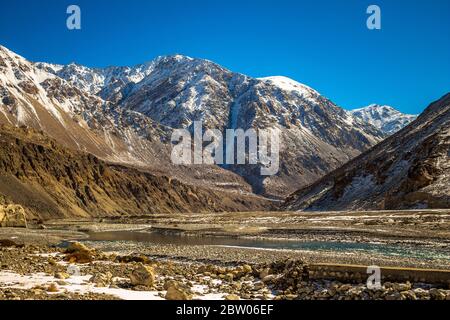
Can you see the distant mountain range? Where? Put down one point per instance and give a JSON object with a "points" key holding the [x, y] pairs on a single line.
{"points": [[385, 118], [409, 170], [125, 115]]}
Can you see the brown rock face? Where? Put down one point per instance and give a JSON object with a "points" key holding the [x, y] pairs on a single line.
{"points": [[50, 181]]}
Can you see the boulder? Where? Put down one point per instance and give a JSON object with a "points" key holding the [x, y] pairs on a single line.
{"points": [[78, 252], [143, 276], [12, 216], [76, 247], [174, 292]]}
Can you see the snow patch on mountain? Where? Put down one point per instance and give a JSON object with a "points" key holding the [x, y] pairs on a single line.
{"points": [[292, 86], [385, 118], [128, 113]]}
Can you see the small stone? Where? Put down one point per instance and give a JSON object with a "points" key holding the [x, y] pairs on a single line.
{"points": [[52, 288], [437, 294], [269, 279], [38, 292], [229, 277], [264, 273], [61, 275], [394, 296], [232, 297], [247, 268], [258, 286], [101, 280]]}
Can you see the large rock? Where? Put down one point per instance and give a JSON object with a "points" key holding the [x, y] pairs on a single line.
{"points": [[78, 252], [12, 216], [143, 276], [175, 292]]}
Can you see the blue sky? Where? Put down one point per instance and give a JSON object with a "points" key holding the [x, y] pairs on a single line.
{"points": [[322, 43]]}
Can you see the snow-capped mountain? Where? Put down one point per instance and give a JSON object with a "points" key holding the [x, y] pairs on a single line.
{"points": [[101, 82], [385, 118], [31, 96], [409, 170], [126, 115]]}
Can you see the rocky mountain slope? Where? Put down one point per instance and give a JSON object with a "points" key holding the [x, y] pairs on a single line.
{"points": [[51, 181], [126, 115], [69, 113], [410, 169], [385, 118]]}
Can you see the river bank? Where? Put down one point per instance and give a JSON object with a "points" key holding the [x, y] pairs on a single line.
{"points": [[173, 253], [80, 272]]}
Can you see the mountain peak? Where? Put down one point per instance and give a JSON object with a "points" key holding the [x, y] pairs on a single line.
{"points": [[384, 117], [290, 85], [5, 52]]}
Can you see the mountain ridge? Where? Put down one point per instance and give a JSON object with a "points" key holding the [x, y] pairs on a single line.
{"points": [[385, 118], [51, 181], [408, 170], [131, 122]]}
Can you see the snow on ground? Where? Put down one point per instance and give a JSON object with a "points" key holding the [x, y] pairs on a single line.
{"points": [[81, 285], [75, 284]]}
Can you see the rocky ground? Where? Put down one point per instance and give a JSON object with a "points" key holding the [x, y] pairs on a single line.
{"points": [[45, 261], [80, 272]]}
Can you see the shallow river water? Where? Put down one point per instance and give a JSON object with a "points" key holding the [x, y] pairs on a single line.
{"points": [[394, 250]]}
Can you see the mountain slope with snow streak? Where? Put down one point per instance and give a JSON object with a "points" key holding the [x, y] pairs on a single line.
{"points": [[127, 114], [409, 170]]}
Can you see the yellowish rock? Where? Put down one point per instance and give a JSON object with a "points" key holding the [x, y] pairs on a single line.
{"points": [[176, 293], [143, 276], [12, 216]]}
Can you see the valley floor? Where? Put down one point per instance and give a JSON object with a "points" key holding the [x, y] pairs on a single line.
{"points": [[259, 255]]}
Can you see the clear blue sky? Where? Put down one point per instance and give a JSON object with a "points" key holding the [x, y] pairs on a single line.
{"points": [[322, 43]]}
